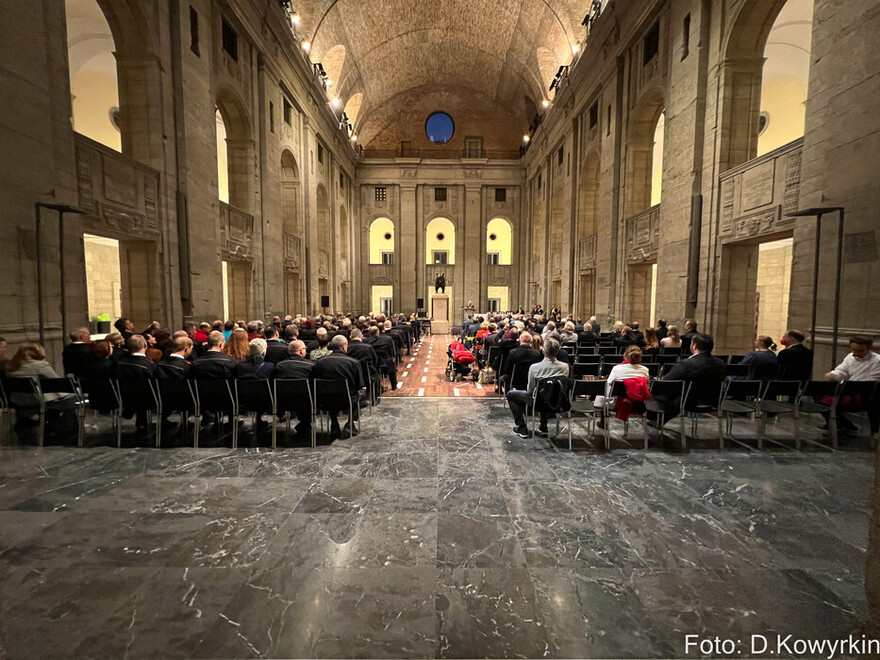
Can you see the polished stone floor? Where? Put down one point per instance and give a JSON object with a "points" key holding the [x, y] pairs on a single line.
{"points": [[434, 533]]}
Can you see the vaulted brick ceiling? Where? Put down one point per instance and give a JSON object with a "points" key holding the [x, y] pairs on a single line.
{"points": [[498, 51]]}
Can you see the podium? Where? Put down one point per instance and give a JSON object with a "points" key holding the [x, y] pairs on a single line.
{"points": [[440, 314]]}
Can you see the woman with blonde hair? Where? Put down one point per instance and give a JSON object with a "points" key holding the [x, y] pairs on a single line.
{"points": [[672, 338], [568, 335], [537, 342], [237, 346]]}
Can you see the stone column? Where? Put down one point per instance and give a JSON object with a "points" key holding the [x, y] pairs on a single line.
{"points": [[405, 286], [470, 277]]}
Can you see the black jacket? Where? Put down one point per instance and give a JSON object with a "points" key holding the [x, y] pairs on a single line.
{"points": [[253, 368], [525, 356], [337, 365], [213, 364], [295, 368], [77, 359], [136, 367], [172, 367], [277, 351], [795, 363], [705, 372]]}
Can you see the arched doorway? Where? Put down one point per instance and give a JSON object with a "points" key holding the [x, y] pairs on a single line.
{"points": [[587, 232], [324, 249], [440, 254], [499, 253], [292, 233], [381, 248]]}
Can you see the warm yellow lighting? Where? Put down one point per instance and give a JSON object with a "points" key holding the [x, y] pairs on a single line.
{"points": [[354, 138], [526, 138], [329, 83], [335, 102], [295, 19], [307, 46], [546, 103], [574, 49]]}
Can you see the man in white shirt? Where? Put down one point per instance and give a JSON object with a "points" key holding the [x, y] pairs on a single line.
{"points": [[861, 364]]}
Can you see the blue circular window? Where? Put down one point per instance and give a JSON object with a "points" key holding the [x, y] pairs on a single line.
{"points": [[439, 128]]}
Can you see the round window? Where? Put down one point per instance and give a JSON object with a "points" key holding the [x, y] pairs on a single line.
{"points": [[492, 237], [441, 236], [439, 128], [388, 236]]}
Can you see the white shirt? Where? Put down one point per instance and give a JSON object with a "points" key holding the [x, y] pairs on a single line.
{"points": [[853, 368], [624, 371]]}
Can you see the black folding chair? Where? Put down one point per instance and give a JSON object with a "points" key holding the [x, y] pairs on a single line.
{"points": [[580, 371], [739, 371], [564, 407], [739, 398], [100, 395], [178, 395], [704, 398], [255, 397], [139, 395], [583, 398], [780, 397], [588, 358], [820, 397], [215, 396], [333, 395], [664, 392], [619, 389], [291, 396]]}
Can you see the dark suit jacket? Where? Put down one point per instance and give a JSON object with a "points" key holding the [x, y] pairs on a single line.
{"points": [[277, 351], [295, 368], [795, 363], [135, 367], [661, 332], [364, 353], [102, 369], [705, 372], [77, 358], [337, 365], [385, 349], [213, 364], [172, 367], [253, 368], [588, 337], [524, 356]]}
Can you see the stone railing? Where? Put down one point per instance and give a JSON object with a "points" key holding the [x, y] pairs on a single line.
{"points": [[292, 251], [500, 275], [757, 196], [382, 274], [643, 235], [236, 232], [115, 191], [587, 253]]}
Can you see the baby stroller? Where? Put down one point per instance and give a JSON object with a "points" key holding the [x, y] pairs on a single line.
{"points": [[460, 360]]}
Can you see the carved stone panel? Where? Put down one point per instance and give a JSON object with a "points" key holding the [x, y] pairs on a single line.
{"points": [[500, 275], [587, 253], [643, 235], [292, 251], [236, 233]]}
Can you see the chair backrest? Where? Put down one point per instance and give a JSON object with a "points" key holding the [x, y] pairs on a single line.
{"points": [[703, 394], [653, 369], [553, 394], [668, 389], [735, 359], [101, 394], [820, 388], [618, 388], [137, 393], [782, 389], [742, 390], [607, 350], [764, 371], [738, 370], [668, 358], [176, 394], [726, 358], [861, 392], [215, 394], [331, 394], [254, 396], [581, 370], [588, 358], [23, 392], [291, 393], [588, 388], [66, 385]]}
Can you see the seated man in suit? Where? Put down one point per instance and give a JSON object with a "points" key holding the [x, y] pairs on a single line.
{"points": [[134, 365], [254, 366], [176, 364], [364, 353], [796, 361], [702, 370], [76, 356], [385, 352], [214, 363], [277, 350], [339, 366], [298, 367], [524, 356]]}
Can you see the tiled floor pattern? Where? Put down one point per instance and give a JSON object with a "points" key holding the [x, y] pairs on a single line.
{"points": [[423, 374], [436, 533]]}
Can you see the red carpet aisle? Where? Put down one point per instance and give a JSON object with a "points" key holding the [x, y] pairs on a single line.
{"points": [[423, 374]]}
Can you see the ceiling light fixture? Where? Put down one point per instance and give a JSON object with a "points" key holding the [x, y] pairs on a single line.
{"points": [[574, 49], [307, 46], [545, 103], [526, 138]]}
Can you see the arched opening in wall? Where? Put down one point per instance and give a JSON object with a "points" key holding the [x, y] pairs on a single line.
{"points": [[499, 252], [588, 227], [94, 87], [644, 146], [382, 241], [333, 61], [538, 243], [440, 253], [558, 230], [353, 108], [292, 228], [785, 77], [344, 273], [234, 152]]}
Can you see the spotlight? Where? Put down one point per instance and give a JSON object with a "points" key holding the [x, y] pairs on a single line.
{"points": [[526, 138], [574, 49], [307, 46], [295, 18], [335, 102], [328, 82], [546, 103], [354, 137]]}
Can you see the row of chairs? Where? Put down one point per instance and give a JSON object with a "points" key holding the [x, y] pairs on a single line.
{"points": [[190, 398], [725, 401]]}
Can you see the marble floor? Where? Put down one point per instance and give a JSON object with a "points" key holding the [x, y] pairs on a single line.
{"points": [[434, 533]]}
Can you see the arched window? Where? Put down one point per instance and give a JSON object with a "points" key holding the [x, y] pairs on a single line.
{"points": [[785, 76], [657, 160], [234, 152], [644, 166], [94, 88], [290, 194], [440, 242], [382, 241], [222, 159], [499, 241]]}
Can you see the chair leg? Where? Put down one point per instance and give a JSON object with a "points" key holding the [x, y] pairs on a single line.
{"points": [[42, 427], [274, 424], [158, 429], [720, 433]]}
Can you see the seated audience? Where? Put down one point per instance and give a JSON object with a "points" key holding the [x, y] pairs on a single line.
{"points": [[796, 360], [672, 339], [337, 365], [76, 356], [237, 347], [29, 361], [214, 363], [762, 360], [176, 364], [652, 343], [323, 348], [860, 364], [103, 365], [631, 368]]}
